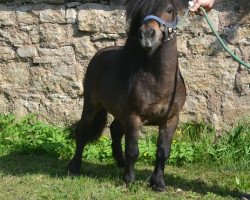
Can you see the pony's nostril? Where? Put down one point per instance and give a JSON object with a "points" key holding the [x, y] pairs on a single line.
{"points": [[140, 34], [152, 33]]}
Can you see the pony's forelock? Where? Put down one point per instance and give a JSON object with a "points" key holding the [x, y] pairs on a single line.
{"points": [[137, 10]]}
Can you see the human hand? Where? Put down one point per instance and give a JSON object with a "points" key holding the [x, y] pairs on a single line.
{"points": [[196, 4]]}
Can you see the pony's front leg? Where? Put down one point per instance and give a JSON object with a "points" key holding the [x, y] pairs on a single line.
{"points": [[166, 132], [131, 147]]}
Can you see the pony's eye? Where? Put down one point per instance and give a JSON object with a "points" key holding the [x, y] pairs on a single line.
{"points": [[169, 10]]}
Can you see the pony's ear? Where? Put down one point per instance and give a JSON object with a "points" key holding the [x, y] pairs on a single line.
{"points": [[181, 4]]}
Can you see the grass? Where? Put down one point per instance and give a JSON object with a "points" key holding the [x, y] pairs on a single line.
{"points": [[34, 176], [34, 156]]}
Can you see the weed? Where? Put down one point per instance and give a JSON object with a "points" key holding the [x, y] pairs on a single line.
{"points": [[30, 134]]}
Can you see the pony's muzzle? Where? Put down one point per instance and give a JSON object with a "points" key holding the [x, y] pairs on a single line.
{"points": [[149, 35]]}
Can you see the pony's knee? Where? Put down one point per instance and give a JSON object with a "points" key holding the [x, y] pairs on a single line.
{"points": [[132, 153], [163, 154]]}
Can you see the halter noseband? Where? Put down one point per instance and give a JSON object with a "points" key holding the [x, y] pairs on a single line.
{"points": [[168, 28]]}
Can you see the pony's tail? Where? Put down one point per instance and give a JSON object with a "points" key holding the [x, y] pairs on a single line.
{"points": [[98, 125]]}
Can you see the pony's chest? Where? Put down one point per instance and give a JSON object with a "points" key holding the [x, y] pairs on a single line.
{"points": [[154, 110], [151, 105], [151, 98], [156, 113]]}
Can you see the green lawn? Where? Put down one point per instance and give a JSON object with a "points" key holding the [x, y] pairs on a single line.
{"points": [[42, 176]]}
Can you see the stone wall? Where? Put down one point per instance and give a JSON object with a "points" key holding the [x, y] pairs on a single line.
{"points": [[45, 49]]}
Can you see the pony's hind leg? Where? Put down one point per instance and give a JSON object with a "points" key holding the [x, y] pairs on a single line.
{"points": [[117, 132], [89, 129]]}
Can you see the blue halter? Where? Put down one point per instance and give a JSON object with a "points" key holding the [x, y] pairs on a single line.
{"points": [[162, 23]]}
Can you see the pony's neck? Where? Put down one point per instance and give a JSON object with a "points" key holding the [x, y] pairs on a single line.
{"points": [[164, 60], [161, 62]]}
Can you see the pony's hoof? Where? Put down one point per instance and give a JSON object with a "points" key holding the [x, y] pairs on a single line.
{"points": [[159, 188], [129, 178], [74, 168], [157, 185]]}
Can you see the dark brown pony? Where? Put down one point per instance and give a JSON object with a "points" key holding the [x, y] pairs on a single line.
{"points": [[139, 84]]}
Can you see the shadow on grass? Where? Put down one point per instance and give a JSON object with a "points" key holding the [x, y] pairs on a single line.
{"points": [[18, 164], [201, 187]]}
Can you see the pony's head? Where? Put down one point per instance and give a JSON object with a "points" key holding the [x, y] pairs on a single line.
{"points": [[152, 22]]}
